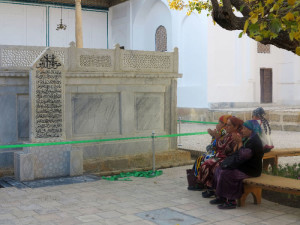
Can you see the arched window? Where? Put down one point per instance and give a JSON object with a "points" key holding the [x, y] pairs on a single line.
{"points": [[161, 39]]}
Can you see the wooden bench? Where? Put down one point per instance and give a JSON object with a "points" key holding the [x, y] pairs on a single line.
{"points": [[271, 158], [268, 182]]}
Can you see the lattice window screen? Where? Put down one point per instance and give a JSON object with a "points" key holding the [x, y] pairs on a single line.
{"points": [[261, 48], [161, 39]]}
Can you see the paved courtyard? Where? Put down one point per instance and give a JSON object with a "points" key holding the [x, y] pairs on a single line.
{"points": [[162, 200], [123, 202]]}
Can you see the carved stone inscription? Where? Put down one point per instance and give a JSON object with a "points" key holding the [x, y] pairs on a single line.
{"points": [[48, 98]]}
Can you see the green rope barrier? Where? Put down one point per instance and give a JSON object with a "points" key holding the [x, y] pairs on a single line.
{"points": [[177, 135], [125, 176], [203, 122], [98, 140], [68, 142]]}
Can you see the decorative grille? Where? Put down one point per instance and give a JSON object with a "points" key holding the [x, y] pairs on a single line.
{"points": [[161, 39], [261, 48]]}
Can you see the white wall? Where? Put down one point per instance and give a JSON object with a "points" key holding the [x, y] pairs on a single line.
{"points": [[229, 66], [22, 25], [119, 25], [30, 25], [149, 16], [192, 88]]}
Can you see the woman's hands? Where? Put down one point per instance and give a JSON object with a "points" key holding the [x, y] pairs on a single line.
{"points": [[237, 138], [211, 132]]}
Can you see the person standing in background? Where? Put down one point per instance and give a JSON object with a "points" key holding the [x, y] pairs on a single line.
{"points": [[265, 136]]}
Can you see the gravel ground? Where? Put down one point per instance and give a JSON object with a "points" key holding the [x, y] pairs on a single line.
{"points": [[281, 139]]}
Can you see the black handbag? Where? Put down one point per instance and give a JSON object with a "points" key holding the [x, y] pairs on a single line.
{"points": [[231, 162]]}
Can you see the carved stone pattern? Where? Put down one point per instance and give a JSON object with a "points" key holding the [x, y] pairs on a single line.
{"points": [[60, 55], [24, 58], [15, 58], [95, 61], [261, 48], [161, 39], [137, 61]]}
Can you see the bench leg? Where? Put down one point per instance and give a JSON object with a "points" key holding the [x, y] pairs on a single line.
{"points": [[256, 193], [271, 161]]}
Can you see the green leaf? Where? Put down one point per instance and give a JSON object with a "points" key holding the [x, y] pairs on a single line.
{"points": [[258, 38], [254, 18], [298, 51], [246, 26], [254, 28], [241, 34], [241, 8], [275, 26]]}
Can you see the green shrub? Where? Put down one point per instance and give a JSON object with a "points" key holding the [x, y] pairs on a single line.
{"points": [[291, 171]]}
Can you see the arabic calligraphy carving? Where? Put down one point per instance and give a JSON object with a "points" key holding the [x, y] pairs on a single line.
{"points": [[48, 98], [48, 62]]}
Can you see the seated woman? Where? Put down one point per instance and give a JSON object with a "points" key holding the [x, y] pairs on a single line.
{"points": [[245, 162], [265, 136], [217, 135], [224, 148]]}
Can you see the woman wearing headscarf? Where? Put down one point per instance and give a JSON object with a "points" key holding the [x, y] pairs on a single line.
{"points": [[217, 135], [224, 148], [245, 162], [265, 136]]}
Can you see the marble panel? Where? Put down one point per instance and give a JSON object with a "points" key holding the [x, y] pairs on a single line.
{"points": [[115, 149], [6, 159], [23, 116], [149, 111], [8, 116], [96, 113]]}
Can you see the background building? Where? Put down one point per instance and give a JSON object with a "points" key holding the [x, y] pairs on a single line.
{"points": [[219, 69]]}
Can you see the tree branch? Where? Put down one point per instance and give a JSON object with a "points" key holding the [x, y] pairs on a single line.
{"points": [[225, 17], [283, 41], [241, 3]]}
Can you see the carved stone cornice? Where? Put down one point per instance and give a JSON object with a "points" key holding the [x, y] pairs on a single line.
{"points": [[14, 73], [122, 75]]}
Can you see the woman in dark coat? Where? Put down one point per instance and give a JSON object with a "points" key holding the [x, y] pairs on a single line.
{"points": [[245, 162]]}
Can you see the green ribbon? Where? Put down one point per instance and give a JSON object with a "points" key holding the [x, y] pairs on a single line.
{"points": [[184, 134], [125, 176], [203, 122], [98, 140]]}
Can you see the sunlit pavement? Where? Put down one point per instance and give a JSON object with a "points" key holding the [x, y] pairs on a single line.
{"points": [[132, 202]]}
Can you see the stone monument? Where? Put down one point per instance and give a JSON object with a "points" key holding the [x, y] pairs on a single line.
{"points": [[94, 99], [46, 125]]}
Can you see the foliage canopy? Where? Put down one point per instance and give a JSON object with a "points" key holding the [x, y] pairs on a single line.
{"points": [[275, 22]]}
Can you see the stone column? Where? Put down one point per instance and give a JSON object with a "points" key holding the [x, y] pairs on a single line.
{"points": [[78, 26]]}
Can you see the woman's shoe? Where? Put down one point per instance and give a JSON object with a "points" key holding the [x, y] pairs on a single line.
{"points": [[217, 201], [228, 205], [192, 188], [208, 194]]}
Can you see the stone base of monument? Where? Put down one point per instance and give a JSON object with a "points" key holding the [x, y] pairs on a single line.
{"points": [[114, 165], [47, 161]]}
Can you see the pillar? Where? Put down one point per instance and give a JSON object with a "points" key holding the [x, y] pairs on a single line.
{"points": [[78, 26]]}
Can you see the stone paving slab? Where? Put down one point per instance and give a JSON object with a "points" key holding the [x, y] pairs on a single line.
{"points": [[10, 181], [119, 202]]}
